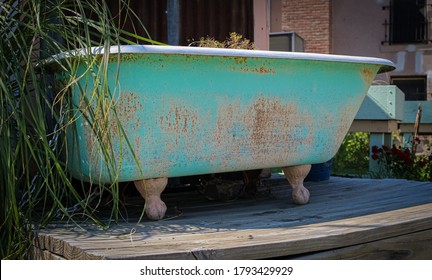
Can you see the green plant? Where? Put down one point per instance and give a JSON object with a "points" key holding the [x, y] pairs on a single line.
{"points": [[352, 157], [235, 41], [35, 112]]}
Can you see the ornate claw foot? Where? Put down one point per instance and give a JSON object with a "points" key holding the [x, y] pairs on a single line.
{"points": [[150, 190], [295, 176]]}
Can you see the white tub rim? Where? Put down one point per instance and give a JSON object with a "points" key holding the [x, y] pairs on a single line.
{"points": [[386, 65]]}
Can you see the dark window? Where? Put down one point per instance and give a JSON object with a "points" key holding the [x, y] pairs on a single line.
{"points": [[408, 22], [414, 87]]}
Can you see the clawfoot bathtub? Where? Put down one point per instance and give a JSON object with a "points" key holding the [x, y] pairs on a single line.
{"points": [[187, 111]]}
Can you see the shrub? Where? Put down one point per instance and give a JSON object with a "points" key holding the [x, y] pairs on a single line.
{"points": [[353, 155], [235, 41]]}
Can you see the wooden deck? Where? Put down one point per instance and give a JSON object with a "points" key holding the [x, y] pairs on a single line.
{"points": [[345, 219]]}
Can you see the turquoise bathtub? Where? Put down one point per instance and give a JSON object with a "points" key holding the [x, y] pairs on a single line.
{"points": [[188, 111]]}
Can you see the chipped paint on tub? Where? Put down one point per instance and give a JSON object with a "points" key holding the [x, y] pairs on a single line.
{"points": [[191, 111]]}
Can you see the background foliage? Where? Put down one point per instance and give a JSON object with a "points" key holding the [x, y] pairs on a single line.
{"points": [[398, 161], [352, 158]]}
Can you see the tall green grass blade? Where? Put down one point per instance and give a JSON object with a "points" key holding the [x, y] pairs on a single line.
{"points": [[35, 112]]}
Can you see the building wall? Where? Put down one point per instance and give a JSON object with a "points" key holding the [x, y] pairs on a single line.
{"points": [[358, 29], [311, 19], [357, 26], [354, 27], [261, 25]]}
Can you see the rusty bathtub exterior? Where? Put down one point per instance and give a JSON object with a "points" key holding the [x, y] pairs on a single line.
{"points": [[188, 111]]}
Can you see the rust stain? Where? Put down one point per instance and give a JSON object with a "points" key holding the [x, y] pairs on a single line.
{"points": [[240, 60], [134, 57], [113, 58], [346, 116], [368, 76], [106, 124], [260, 132], [138, 147], [125, 57], [269, 131], [260, 70], [180, 121], [96, 126], [264, 70], [126, 108], [271, 122]]}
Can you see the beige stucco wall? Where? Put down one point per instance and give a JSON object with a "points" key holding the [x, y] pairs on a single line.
{"points": [[261, 24]]}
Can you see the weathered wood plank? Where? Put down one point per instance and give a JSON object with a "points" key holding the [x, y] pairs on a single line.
{"points": [[424, 127], [342, 212], [36, 253], [255, 243], [378, 126], [413, 246]]}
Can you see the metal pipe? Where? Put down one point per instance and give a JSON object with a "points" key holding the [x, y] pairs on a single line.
{"points": [[173, 22]]}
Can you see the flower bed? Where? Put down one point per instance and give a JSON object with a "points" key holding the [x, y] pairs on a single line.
{"points": [[400, 162]]}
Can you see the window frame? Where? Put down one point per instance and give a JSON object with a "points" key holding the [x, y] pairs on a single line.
{"points": [[422, 78], [415, 31]]}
